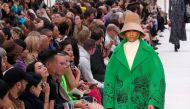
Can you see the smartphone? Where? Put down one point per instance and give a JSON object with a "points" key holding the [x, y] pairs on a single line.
{"points": [[72, 65]]}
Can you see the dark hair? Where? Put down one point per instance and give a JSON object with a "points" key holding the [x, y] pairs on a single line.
{"points": [[14, 75], [110, 2], [7, 32], [35, 79], [77, 9], [132, 7], [89, 43], [97, 33], [74, 44], [46, 55], [2, 39], [63, 27], [98, 4], [31, 67], [3, 89], [88, 12], [64, 43], [20, 43], [66, 4], [47, 23], [0, 66], [99, 13]]}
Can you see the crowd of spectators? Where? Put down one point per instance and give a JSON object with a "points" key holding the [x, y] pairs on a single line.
{"points": [[54, 57]]}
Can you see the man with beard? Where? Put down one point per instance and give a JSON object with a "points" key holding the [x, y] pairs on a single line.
{"points": [[17, 81]]}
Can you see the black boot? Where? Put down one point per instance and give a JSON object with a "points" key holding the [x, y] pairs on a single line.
{"points": [[176, 47]]}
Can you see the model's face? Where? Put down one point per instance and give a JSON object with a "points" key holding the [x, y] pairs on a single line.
{"points": [[132, 35]]}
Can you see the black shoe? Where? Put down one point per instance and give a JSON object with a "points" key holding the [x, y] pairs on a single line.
{"points": [[176, 47]]}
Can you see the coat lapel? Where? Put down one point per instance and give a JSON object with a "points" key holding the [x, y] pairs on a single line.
{"points": [[141, 54], [120, 55]]}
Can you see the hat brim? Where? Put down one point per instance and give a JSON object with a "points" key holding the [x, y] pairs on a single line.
{"points": [[131, 26]]}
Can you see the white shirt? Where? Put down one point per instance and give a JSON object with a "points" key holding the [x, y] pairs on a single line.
{"points": [[130, 49], [85, 67], [108, 39]]}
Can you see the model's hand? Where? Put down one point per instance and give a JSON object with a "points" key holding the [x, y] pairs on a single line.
{"points": [[150, 107]]}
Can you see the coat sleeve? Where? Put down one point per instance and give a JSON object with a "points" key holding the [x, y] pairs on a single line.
{"points": [[109, 84], [157, 83]]}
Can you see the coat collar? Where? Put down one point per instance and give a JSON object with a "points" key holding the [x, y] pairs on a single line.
{"points": [[142, 54]]}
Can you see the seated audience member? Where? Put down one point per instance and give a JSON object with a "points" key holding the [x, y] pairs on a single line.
{"points": [[111, 38], [97, 59], [17, 81], [88, 49], [55, 64], [5, 102], [33, 89], [72, 74], [4, 64], [32, 44], [20, 59]]}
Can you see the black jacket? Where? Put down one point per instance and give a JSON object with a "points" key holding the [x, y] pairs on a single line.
{"points": [[31, 101], [97, 64]]}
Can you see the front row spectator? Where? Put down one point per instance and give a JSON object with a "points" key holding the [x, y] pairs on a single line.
{"points": [[17, 81], [33, 89], [88, 49], [97, 59]]}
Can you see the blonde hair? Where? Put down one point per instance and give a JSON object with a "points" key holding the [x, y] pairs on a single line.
{"points": [[33, 41], [83, 36]]}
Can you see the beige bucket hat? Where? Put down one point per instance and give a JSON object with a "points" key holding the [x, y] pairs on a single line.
{"points": [[131, 22]]}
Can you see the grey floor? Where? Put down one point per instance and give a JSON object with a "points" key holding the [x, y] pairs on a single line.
{"points": [[177, 71]]}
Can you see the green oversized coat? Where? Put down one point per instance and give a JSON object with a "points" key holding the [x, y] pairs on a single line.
{"points": [[139, 87]]}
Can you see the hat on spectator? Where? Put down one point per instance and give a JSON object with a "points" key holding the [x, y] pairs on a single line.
{"points": [[132, 22], [14, 75]]}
